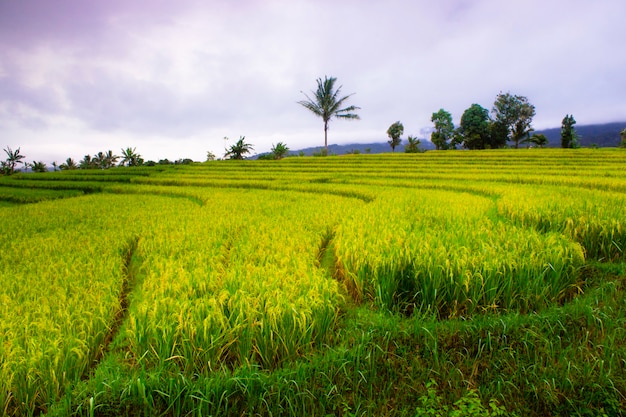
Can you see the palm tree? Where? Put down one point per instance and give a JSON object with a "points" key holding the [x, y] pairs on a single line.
{"points": [[108, 159], [537, 139], [414, 145], [39, 166], [69, 164], [326, 104], [13, 159], [279, 150], [87, 162], [131, 158], [238, 150]]}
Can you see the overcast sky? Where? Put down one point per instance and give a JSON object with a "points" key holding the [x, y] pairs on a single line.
{"points": [[173, 78]]}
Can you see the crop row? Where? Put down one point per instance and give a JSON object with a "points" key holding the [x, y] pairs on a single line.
{"points": [[232, 281]]}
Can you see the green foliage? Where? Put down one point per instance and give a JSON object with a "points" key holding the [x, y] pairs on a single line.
{"points": [[470, 405], [569, 138], [443, 136], [394, 132], [327, 104], [623, 138]]}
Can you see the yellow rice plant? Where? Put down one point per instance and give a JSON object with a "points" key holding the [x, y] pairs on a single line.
{"points": [[62, 271], [235, 282]]}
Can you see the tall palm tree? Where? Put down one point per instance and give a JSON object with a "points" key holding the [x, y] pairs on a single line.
{"points": [[239, 149], [13, 159], [130, 157], [327, 104]]}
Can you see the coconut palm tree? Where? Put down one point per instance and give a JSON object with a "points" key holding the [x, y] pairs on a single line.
{"points": [[327, 104], [131, 158], [39, 166], [239, 149], [13, 158], [87, 162], [414, 145], [108, 159], [68, 165]]}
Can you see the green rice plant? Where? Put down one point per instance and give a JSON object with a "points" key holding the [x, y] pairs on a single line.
{"points": [[439, 252], [25, 195]]}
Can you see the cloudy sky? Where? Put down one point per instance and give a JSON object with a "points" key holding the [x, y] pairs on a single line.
{"points": [[173, 78]]}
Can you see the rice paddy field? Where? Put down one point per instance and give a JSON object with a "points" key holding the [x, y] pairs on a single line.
{"points": [[481, 283]]}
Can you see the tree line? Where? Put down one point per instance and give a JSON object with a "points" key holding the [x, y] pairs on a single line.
{"points": [[508, 124], [101, 160]]}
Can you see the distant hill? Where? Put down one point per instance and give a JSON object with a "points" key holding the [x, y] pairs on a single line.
{"points": [[379, 147], [602, 135]]}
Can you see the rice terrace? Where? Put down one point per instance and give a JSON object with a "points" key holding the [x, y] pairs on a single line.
{"points": [[441, 283]]}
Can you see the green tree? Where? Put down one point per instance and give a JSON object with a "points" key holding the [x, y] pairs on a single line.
{"points": [[414, 145], [13, 159], [443, 136], [569, 138], [622, 135], [515, 114], [69, 164], [239, 149], [474, 131], [280, 150], [394, 132], [210, 156], [327, 104], [131, 158]]}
